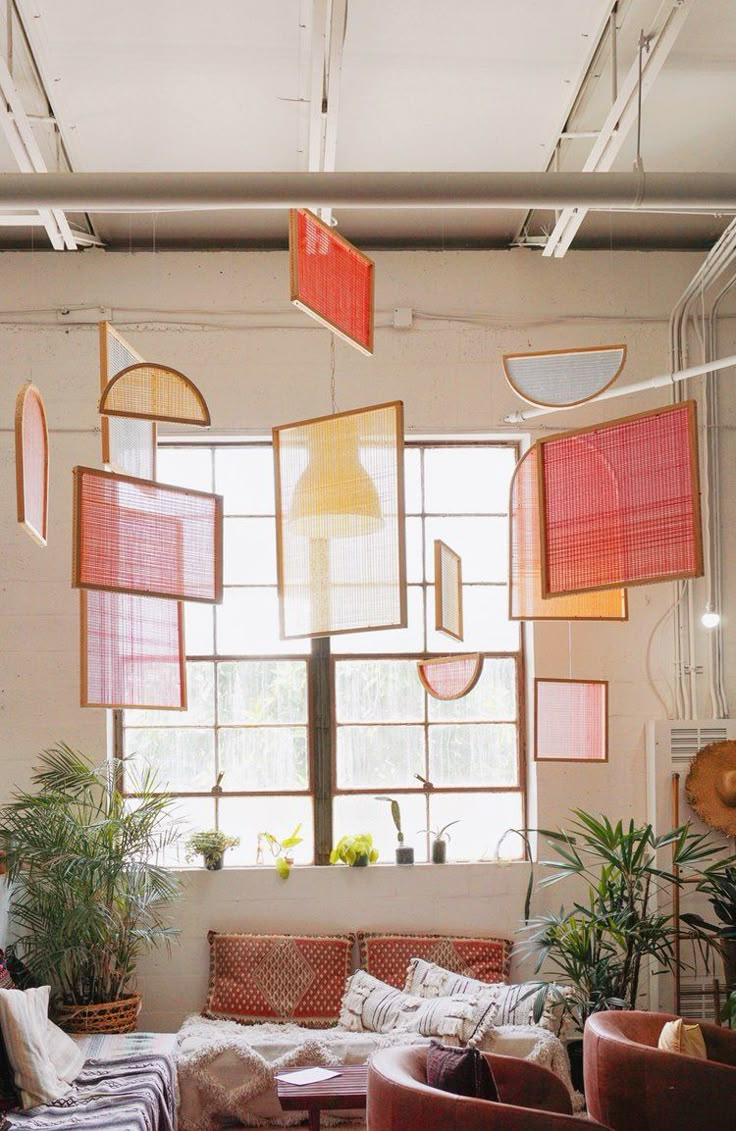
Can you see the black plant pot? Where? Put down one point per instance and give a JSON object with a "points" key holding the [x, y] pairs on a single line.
{"points": [[213, 861], [575, 1052], [404, 855], [439, 851], [361, 861]]}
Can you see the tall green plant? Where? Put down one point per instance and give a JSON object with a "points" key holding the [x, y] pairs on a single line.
{"points": [[600, 944], [87, 896]]}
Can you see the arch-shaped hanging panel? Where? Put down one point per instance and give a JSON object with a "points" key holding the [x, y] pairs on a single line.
{"points": [[450, 677], [32, 463], [525, 567], [147, 391], [562, 378]]}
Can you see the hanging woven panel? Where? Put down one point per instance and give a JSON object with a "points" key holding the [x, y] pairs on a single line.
{"points": [[563, 378], [525, 588], [134, 536], [448, 591], [128, 444], [32, 463], [331, 279], [620, 503], [154, 392], [450, 677], [571, 720]]}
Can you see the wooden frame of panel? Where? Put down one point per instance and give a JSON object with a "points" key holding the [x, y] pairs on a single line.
{"points": [[77, 535], [39, 536], [84, 669], [294, 279], [556, 353], [694, 480], [105, 329], [579, 761], [204, 422], [422, 664], [400, 514], [439, 605]]}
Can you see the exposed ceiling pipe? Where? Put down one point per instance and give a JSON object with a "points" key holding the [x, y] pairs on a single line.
{"points": [[151, 192]]}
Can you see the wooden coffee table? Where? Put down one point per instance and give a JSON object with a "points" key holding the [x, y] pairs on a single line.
{"points": [[348, 1090]]}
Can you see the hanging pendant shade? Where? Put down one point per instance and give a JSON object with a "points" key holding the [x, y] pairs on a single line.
{"points": [[335, 496]]}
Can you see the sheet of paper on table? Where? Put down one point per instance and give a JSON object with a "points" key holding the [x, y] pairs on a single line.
{"points": [[306, 1076]]}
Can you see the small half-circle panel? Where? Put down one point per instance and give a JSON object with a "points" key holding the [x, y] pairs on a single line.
{"points": [[450, 677], [563, 378], [32, 463], [154, 392]]}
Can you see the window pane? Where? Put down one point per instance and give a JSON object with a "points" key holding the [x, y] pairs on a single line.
{"points": [[484, 817], [493, 697], [200, 697], [468, 480], [378, 691], [248, 624], [185, 467], [414, 550], [379, 757], [249, 548], [412, 481], [482, 543], [262, 691], [254, 758], [199, 628], [244, 476], [247, 816], [361, 813], [184, 759], [485, 620], [409, 639], [471, 754]]}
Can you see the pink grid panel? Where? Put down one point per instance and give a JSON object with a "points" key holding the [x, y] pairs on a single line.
{"points": [[620, 503], [135, 536], [132, 651], [32, 463], [571, 720]]}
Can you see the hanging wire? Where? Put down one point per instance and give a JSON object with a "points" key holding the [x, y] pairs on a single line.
{"points": [[333, 401]]}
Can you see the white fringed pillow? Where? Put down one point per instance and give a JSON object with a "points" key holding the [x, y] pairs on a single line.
{"points": [[45, 1060], [375, 1007], [514, 1003]]}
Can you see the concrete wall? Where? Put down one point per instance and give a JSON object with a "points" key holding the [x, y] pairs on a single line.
{"points": [[224, 319]]}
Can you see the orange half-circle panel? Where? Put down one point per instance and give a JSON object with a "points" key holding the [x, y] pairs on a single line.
{"points": [[32, 463], [563, 378], [154, 392], [450, 677], [525, 565]]}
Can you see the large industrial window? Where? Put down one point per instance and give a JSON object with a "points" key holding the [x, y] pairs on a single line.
{"points": [[279, 733]]}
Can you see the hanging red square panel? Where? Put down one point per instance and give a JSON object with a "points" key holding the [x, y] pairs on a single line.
{"points": [[331, 279], [32, 463], [132, 651], [571, 720], [135, 536], [620, 503]]}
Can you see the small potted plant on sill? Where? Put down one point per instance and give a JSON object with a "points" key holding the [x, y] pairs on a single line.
{"points": [[280, 850], [355, 851], [404, 853], [211, 845], [440, 840]]}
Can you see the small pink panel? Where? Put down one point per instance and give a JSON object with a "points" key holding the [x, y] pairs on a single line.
{"points": [[571, 720]]}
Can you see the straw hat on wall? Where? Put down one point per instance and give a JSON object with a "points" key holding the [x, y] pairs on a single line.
{"points": [[711, 786]]}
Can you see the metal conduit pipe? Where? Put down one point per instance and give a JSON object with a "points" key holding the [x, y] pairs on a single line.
{"points": [[134, 192]]}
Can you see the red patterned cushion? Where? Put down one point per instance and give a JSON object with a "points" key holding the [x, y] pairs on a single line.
{"points": [[387, 956], [257, 978]]}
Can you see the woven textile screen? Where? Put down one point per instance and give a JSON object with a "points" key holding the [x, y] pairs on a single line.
{"points": [[128, 445], [134, 536], [32, 463], [132, 651], [450, 677], [331, 279], [525, 587], [340, 540], [448, 591], [571, 720], [620, 503], [154, 392], [563, 377]]}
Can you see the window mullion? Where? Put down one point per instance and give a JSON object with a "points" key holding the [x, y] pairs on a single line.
{"points": [[321, 701]]}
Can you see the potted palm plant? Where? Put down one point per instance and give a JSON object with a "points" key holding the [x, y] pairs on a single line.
{"points": [[88, 897], [718, 882]]}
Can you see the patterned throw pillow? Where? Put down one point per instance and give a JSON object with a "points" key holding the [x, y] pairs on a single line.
{"points": [[463, 1072], [255, 978], [387, 956], [369, 1005], [515, 1004]]}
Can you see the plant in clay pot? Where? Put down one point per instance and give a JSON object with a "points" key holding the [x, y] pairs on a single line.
{"points": [[211, 845], [355, 851], [440, 839], [280, 850], [404, 853]]}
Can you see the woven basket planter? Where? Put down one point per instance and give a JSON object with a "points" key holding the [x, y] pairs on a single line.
{"points": [[107, 1017]]}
